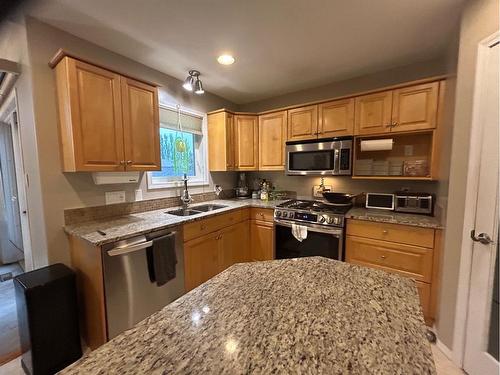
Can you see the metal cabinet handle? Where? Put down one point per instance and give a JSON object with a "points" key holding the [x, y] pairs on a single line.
{"points": [[383, 257], [129, 161], [385, 231], [122, 162], [482, 238], [130, 249]]}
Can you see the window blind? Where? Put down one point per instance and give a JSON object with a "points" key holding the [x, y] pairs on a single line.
{"points": [[190, 123]]}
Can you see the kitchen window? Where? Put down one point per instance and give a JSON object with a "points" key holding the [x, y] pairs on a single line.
{"points": [[182, 148]]}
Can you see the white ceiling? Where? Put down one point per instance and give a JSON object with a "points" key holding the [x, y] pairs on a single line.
{"points": [[280, 46]]}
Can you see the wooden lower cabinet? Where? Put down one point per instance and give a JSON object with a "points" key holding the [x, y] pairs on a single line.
{"points": [[201, 260], [262, 240], [234, 245], [209, 254], [411, 252]]}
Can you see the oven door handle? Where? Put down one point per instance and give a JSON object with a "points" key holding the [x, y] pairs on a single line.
{"points": [[337, 232]]}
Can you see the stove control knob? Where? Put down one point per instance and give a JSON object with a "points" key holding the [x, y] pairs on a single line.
{"points": [[330, 220], [290, 215], [285, 214], [321, 219], [278, 213], [337, 220]]}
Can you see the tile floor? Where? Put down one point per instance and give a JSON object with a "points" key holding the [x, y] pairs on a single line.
{"points": [[9, 337], [443, 365]]}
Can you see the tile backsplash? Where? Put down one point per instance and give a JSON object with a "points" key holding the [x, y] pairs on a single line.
{"points": [[80, 215]]}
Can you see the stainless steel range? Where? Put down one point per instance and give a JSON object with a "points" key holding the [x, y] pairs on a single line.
{"points": [[325, 229]]}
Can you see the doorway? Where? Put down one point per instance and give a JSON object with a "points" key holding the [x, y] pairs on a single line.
{"points": [[481, 356], [15, 243]]}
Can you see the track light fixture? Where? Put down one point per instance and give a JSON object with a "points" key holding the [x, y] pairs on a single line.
{"points": [[193, 82]]}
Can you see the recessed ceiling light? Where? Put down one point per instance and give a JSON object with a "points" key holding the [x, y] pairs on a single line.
{"points": [[225, 59]]}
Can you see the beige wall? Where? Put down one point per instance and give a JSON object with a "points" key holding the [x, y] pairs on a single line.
{"points": [[13, 46], [69, 190], [479, 20], [422, 69]]}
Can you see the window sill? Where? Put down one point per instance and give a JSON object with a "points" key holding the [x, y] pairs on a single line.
{"points": [[176, 185]]}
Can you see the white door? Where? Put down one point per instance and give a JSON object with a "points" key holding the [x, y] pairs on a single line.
{"points": [[481, 348]]}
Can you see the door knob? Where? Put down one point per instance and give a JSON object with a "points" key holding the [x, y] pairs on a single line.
{"points": [[483, 238]]}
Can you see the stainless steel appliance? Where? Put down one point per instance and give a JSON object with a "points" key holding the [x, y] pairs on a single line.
{"points": [[325, 229], [331, 156], [380, 201], [418, 203], [130, 293]]}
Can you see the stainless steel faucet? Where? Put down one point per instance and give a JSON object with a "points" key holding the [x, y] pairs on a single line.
{"points": [[185, 197]]}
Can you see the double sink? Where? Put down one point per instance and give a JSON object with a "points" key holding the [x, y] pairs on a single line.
{"points": [[196, 210]]}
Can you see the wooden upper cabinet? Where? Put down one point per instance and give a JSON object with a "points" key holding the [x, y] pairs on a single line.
{"points": [[105, 119], [272, 137], [373, 113], [415, 107], [221, 151], [90, 117], [303, 123], [141, 125], [246, 142], [336, 118]]}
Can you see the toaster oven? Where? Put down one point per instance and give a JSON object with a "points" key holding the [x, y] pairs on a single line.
{"points": [[416, 203]]}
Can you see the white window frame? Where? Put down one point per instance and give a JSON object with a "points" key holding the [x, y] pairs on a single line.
{"points": [[201, 152]]}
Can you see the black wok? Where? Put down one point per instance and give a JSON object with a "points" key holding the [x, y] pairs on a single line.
{"points": [[339, 198]]}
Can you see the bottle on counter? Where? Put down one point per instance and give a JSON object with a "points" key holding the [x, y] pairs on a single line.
{"points": [[264, 191]]}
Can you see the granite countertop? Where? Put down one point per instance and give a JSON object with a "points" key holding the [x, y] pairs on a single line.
{"points": [[392, 217], [307, 315], [122, 227]]}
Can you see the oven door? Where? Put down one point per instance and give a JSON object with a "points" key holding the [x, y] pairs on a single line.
{"points": [[320, 241]]}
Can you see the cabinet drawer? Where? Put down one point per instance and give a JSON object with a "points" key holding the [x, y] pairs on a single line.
{"points": [[211, 224], [409, 261], [262, 214], [424, 291], [392, 232]]}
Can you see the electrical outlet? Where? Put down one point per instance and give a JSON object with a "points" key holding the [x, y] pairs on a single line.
{"points": [[408, 150], [113, 197], [316, 194], [138, 195]]}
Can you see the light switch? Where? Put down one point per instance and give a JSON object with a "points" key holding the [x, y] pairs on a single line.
{"points": [[113, 197]]}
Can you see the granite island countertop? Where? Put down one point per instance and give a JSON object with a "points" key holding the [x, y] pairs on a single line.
{"points": [[307, 315], [117, 228]]}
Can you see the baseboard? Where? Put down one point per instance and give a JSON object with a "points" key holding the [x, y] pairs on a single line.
{"points": [[446, 351]]}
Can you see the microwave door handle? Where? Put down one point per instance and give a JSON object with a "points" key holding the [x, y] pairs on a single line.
{"points": [[336, 161]]}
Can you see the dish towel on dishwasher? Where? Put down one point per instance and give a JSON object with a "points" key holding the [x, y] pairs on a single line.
{"points": [[299, 232], [164, 259]]}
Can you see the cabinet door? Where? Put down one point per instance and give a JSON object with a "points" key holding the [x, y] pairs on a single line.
{"points": [[373, 113], [262, 241], [141, 126], [303, 123], [272, 137], [201, 260], [234, 245], [246, 135], [92, 140], [415, 107], [221, 151], [336, 118]]}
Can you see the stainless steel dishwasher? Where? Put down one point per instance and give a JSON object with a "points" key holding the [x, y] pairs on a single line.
{"points": [[130, 294]]}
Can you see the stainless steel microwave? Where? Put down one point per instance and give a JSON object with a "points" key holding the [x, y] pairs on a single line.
{"points": [[332, 156]]}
